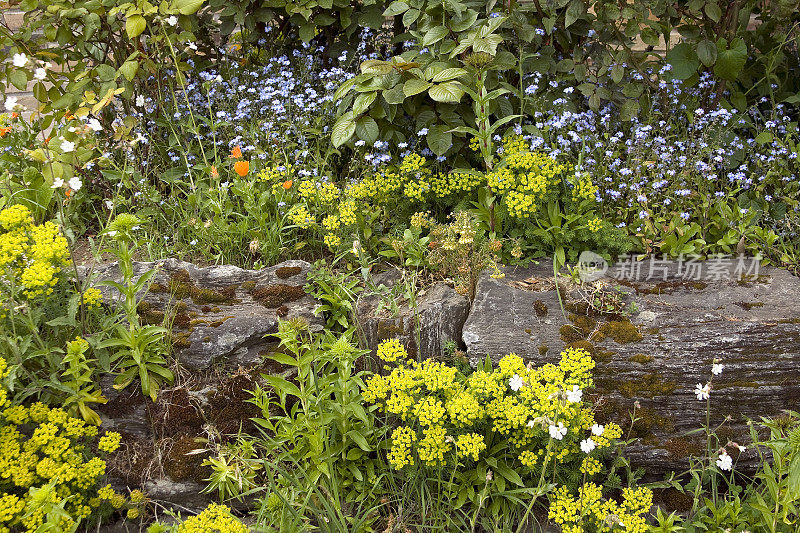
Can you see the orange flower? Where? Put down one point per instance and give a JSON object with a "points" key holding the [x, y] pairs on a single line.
{"points": [[3, 131], [287, 185], [214, 172], [236, 153], [242, 168]]}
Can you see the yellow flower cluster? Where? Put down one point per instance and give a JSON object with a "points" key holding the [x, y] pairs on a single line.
{"points": [[400, 453], [442, 411], [525, 179], [421, 220], [347, 212], [92, 298], [595, 224], [378, 187], [214, 519], [320, 192], [391, 350], [583, 189], [301, 217], [416, 181], [589, 511], [31, 255], [109, 442], [46, 464], [470, 445], [276, 173]]}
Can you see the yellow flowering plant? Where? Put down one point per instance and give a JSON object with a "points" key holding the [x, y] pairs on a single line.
{"points": [[215, 518], [499, 432], [42, 307], [50, 473]]}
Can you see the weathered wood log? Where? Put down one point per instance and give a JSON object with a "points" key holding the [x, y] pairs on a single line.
{"points": [[220, 314], [656, 356]]}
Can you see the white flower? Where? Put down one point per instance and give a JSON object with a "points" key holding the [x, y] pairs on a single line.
{"points": [[515, 382], [57, 183], [140, 101], [40, 73], [703, 392], [192, 45], [574, 395], [716, 369], [588, 445], [11, 103], [724, 462], [557, 432], [109, 205], [20, 60], [75, 183], [67, 146], [94, 125], [597, 430], [172, 20]]}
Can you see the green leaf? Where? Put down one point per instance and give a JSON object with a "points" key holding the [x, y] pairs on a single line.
{"points": [[448, 74], [683, 60], [395, 8], [307, 32], [434, 35], [129, 69], [395, 95], [343, 129], [363, 101], [617, 73], [575, 10], [730, 62], [359, 439], [439, 139], [410, 16], [448, 92], [367, 129], [713, 11], [135, 25], [509, 473], [415, 86], [707, 52], [376, 66], [187, 7], [765, 137], [18, 78], [345, 88], [282, 386]]}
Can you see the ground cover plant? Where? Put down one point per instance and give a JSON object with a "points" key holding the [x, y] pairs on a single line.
{"points": [[440, 140]]}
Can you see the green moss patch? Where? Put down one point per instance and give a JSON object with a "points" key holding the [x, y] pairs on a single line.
{"points": [[274, 296], [641, 358], [287, 272], [622, 331]]}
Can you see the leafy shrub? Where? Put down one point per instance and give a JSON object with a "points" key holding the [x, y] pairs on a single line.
{"points": [[317, 436], [331, 24], [100, 47]]}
